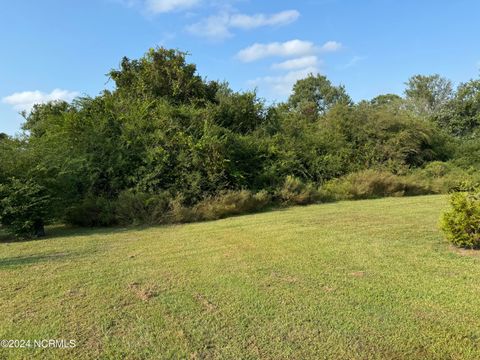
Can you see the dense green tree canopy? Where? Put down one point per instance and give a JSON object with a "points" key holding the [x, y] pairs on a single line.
{"points": [[163, 73], [428, 94], [316, 95], [461, 114]]}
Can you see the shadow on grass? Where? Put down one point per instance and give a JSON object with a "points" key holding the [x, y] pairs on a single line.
{"points": [[19, 261], [64, 231]]}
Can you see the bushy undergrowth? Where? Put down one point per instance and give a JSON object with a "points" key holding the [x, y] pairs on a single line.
{"points": [[135, 208], [444, 177], [372, 184], [92, 211], [295, 192], [227, 203], [24, 208], [461, 223]]}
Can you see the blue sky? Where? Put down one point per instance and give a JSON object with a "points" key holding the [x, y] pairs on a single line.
{"points": [[57, 49]]}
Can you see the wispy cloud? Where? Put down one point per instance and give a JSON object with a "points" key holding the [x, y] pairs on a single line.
{"points": [[297, 63], [290, 48], [25, 100], [281, 86], [353, 62], [218, 27], [243, 21], [215, 27], [166, 6], [331, 46], [286, 49], [302, 60]]}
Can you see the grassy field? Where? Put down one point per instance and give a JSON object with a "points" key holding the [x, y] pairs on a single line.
{"points": [[352, 280]]}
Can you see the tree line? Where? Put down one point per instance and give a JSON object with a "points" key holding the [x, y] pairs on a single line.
{"points": [[166, 141]]}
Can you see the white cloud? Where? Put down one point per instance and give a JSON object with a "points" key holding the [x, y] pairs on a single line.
{"points": [[217, 27], [285, 49], [331, 46], [297, 63], [281, 86], [165, 6], [26, 99], [243, 21], [303, 62]]}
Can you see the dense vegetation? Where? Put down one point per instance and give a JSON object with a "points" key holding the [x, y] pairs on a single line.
{"points": [[168, 146]]}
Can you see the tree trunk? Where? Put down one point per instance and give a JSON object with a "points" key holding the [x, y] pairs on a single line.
{"points": [[39, 228]]}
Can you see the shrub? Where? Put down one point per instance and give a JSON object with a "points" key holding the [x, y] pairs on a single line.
{"points": [[461, 223], [178, 213], [444, 177], [372, 184], [438, 169], [369, 184], [231, 203], [24, 208], [295, 192], [134, 208], [335, 190], [92, 211]]}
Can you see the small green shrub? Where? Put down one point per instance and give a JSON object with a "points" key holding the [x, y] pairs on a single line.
{"points": [[438, 169], [295, 192], [461, 223]]}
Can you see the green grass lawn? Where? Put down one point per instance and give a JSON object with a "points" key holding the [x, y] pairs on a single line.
{"points": [[352, 280]]}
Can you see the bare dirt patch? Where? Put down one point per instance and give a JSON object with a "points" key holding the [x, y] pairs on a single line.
{"points": [[145, 292], [207, 304]]}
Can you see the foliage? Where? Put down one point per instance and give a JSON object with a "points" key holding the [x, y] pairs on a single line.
{"points": [[92, 211], [162, 73], [134, 208], [370, 184], [24, 208], [230, 203], [461, 223], [428, 94], [295, 192], [165, 145], [461, 115], [316, 95], [467, 153]]}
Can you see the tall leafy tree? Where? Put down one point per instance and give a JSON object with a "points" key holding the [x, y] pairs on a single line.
{"points": [[163, 73], [315, 95], [428, 94], [461, 115]]}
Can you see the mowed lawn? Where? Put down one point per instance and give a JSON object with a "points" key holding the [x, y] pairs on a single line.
{"points": [[352, 280]]}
